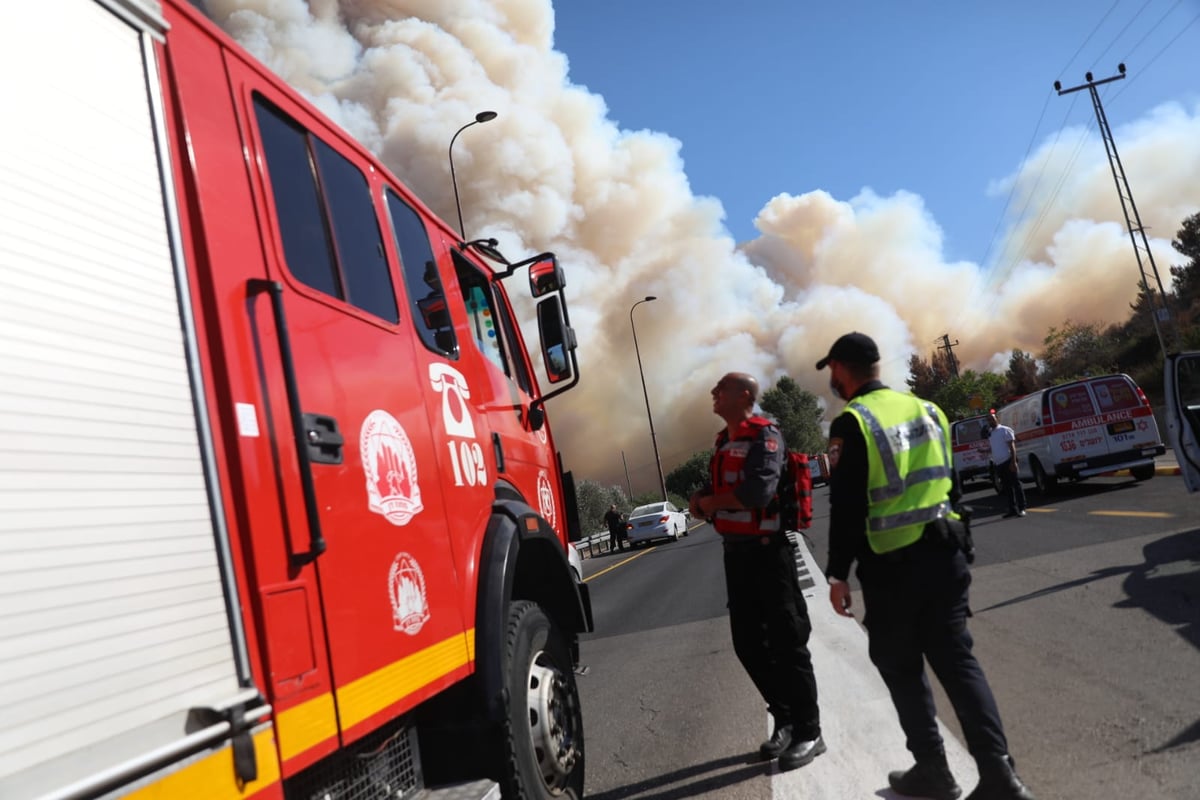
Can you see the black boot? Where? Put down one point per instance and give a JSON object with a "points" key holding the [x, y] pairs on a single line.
{"points": [[801, 752], [930, 777], [998, 781], [779, 741]]}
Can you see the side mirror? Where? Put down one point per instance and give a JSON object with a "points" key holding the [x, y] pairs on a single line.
{"points": [[558, 340], [545, 276]]}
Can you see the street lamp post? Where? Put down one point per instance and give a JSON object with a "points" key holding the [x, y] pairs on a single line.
{"points": [[482, 116], [662, 485]]}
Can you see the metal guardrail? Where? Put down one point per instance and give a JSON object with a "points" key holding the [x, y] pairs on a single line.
{"points": [[594, 545]]}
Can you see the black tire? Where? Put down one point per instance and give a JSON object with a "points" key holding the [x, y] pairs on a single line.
{"points": [[543, 729], [1142, 473], [1046, 484]]}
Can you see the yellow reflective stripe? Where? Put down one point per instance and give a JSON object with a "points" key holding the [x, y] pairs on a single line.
{"points": [[372, 693], [313, 721], [306, 725], [213, 778]]}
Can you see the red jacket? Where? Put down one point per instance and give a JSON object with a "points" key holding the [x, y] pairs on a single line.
{"points": [[749, 465]]}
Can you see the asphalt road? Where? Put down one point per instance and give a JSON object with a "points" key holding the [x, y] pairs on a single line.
{"points": [[1087, 621]]}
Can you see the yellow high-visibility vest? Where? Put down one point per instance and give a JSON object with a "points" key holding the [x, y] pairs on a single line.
{"points": [[909, 466]]}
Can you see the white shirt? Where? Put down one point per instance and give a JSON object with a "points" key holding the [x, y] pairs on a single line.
{"points": [[999, 438]]}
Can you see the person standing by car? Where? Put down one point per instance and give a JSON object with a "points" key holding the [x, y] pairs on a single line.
{"points": [[616, 527], [767, 613], [1004, 456], [890, 509]]}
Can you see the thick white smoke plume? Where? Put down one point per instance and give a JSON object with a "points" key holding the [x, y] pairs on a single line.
{"points": [[552, 172]]}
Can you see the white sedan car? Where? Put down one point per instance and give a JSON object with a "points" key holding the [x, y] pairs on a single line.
{"points": [[656, 521]]}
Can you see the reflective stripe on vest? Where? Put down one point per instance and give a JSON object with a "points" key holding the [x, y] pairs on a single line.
{"points": [[726, 471], [909, 466]]}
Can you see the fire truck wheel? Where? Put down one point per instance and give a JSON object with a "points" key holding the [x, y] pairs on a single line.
{"points": [[543, 731]]}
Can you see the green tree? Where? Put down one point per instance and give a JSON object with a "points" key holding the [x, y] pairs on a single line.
{"points": [[1077, 350], [798, 414], [969, 394], [1186, 276], [646, 498], [690, 475], [1021, 377], [927, 378], [594, 500]]}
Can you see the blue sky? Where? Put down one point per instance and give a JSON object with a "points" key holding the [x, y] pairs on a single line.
{"points": [[942, 99]]}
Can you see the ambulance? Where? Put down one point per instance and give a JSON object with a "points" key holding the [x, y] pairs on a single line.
{"points": [[971, 453], [281, 508], [1082, 429]]}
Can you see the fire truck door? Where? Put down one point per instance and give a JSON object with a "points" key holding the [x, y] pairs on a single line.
{"points": [[388, 584]]}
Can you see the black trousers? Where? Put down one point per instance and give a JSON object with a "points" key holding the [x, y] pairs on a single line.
{"points": [[916, 610], [618, 537], [1010, 487], [770, 626]]}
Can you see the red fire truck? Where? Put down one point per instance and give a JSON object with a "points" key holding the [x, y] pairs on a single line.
{"points": [[282, 514]]}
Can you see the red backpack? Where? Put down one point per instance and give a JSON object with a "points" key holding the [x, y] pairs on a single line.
{"points": [[795, 492]]}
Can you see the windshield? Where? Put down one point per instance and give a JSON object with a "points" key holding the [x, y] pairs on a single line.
{"points": [[653, 508]]}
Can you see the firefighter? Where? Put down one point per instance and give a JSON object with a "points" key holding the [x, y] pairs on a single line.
{"points": [[768, 617], [890, 509]]}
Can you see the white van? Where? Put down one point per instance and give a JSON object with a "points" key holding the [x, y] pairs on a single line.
{"points": [[972, 454], [1084, 428]]}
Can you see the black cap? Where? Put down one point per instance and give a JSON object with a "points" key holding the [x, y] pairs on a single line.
{"points": [[853, 348]]}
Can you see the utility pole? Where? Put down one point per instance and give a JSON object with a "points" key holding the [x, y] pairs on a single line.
{"points": [[1160, 312], [628, 485], [949, 346]]}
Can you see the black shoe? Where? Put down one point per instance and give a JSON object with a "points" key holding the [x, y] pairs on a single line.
{"points": [[1011, 514], [779, 741], [998, 781], [930, 778], [801, 752]]}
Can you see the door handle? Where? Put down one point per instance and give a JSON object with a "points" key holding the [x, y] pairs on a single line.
{"points": [[322, 438]]}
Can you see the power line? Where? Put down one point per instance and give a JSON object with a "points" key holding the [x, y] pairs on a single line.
{"points": [[1121, 32], [1089, 37]]}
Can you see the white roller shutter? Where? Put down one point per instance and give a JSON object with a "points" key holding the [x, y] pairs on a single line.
{"points": [[112, 612]]}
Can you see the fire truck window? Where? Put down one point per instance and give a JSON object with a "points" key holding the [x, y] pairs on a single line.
{"points": [[306, 242], [331, 238], [510, 335], [481, 313], [430, 314], [356, 232]]}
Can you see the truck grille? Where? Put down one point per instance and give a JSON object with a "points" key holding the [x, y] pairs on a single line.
{"points": [[382, 766]]}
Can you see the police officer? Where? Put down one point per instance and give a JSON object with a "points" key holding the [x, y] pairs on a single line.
{"points": [[767, 614], [890, 509]]}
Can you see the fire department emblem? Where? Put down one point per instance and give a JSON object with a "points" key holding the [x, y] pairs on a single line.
{"points": [[545, 497], [390, 467], [406, 588]]}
